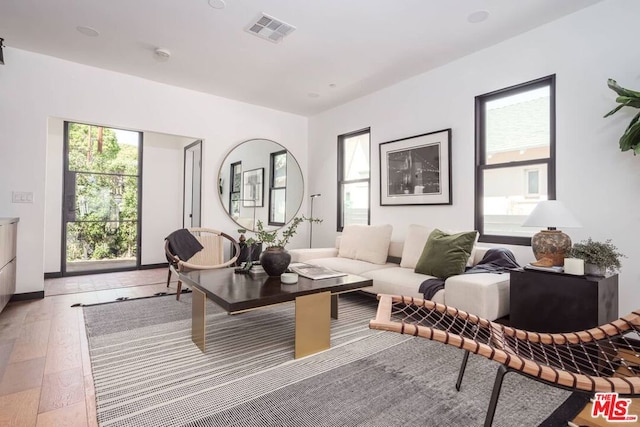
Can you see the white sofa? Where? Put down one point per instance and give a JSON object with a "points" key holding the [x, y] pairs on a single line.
{"points": [[483, 294]]}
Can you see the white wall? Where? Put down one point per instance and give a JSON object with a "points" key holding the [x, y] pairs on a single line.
{"points": [[162, 188], [594, 179], [34, 88]]}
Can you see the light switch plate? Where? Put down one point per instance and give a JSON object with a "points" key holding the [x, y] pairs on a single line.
{"points": [[22, 197]]}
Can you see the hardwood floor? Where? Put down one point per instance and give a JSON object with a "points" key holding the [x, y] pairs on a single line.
{"points": [[45, 372]]}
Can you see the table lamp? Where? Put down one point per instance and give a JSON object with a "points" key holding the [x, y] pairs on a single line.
{"points": [[550, 245]]}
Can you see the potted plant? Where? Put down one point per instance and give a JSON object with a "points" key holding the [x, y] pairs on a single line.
{"points": [[630, 139], [275, 259], [599, 257]]}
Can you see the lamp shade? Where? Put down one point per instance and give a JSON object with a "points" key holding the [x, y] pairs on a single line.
{"points": [[551, 213], [549, 246]]}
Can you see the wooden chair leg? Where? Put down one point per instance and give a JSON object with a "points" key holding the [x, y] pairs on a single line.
{"points": [[179, 291], [169, 277]]}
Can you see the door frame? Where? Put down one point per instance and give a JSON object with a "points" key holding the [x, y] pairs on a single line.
{"points": [[63, 234], [184, 183]]}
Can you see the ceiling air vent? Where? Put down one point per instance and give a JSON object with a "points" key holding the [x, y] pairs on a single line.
{"points": [[269, 28]]}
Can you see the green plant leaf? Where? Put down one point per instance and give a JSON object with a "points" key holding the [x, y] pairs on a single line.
{"points": [[631, 138], [635, 120], [612, 112], [614, 86], [629, 101]]}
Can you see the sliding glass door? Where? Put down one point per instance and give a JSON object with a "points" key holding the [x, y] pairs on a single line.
{"points": [[101, 200]]}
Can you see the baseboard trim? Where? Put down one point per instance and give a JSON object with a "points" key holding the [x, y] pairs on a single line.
{"points": [[152, 266], [58, 274], [27, 296], [52, 275]]}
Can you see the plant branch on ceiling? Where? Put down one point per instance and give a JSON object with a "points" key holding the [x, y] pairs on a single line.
{"points": [[630, 139]]}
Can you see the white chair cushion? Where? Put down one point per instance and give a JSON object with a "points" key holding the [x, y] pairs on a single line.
{"points": [[366, 242]]}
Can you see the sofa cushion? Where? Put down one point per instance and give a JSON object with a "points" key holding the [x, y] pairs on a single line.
{"points": [[346, 265], [399, 281], [483, 294], [417, 236], [446, 255], [365, 243]]}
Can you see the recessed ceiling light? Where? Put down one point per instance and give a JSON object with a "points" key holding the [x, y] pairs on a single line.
{"points": [[88, 31], [477, 17], [162, 54], [217, 4], [313, 95]]}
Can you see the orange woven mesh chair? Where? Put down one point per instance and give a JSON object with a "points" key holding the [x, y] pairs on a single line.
{"points": [[602, 359], [209, 258]]}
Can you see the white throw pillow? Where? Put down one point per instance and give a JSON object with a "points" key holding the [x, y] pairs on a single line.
{"points": [[417, 236], [366, 242]]}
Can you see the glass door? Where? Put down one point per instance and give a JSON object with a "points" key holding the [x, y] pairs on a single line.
{"points": [[101, 200]]}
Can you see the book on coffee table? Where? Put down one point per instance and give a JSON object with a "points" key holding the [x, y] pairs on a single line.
{"points": [[313, 271]]}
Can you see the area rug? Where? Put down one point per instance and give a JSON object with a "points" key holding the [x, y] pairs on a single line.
{"points": [[147, 372]]}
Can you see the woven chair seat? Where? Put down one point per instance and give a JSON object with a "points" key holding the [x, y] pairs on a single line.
{"points": [[602, 359]]}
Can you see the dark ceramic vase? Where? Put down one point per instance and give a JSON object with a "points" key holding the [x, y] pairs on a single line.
{"points": [[275, 260]]}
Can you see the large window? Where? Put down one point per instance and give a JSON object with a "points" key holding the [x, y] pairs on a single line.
{"points": [[353, 178], [515, 158], [101, 195]]}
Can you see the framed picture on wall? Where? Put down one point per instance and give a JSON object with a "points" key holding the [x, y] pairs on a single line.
{"points": [[252, 183], [416, 170]]}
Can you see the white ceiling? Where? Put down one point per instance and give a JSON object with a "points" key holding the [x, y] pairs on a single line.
{"points": [[359, 46]]}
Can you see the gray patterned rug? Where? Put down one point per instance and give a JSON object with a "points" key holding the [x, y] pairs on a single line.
{"points": [[147, 372]]}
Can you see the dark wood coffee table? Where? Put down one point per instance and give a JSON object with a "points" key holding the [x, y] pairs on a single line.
{"points": [[316, 302]]}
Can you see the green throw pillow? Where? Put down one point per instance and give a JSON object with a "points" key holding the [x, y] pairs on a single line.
{"points": [[446, 255]]}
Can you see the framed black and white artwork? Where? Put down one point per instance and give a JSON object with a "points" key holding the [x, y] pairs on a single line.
{"points": [[416, 170]]}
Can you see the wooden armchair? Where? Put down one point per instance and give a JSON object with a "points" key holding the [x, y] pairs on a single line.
{"points": [[602, 359], [209, 258]]}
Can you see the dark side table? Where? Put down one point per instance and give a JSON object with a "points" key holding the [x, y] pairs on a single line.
{"points": [[543, 301]]}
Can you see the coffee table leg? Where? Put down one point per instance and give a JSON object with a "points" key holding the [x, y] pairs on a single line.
{"points": [[198, 329], [313, 324], [334, 306]]}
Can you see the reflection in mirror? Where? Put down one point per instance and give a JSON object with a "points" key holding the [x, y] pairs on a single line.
{"points": [[260, 180]]}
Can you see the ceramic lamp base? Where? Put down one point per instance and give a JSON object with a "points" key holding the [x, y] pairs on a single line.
{"points": [[550, 245]]}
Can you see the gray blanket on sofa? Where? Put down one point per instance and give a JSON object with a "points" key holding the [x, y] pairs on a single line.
{"points": [[496, 260]]}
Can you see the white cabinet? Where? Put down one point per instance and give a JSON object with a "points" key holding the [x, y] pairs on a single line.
{"points": [[8, 238]]}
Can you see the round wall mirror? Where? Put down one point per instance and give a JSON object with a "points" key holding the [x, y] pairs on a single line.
{"points": [[260, 180]]}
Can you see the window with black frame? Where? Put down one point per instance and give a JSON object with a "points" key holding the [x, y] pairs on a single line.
{"points": [[515, 158], [354, 178], [278, 188]]}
